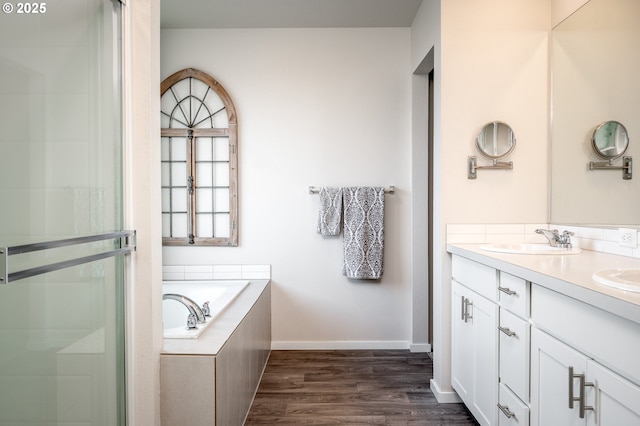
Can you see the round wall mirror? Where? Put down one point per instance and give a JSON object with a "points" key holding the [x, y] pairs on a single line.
{"points": [[610, 140], [495, 140]]}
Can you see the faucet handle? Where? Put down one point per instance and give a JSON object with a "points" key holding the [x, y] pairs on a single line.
{"points": [[565, 239], [205, 309], [192, 322]]}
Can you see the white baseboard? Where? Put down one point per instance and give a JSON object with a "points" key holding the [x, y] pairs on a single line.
{"points": [[339, 345], [450, 397], [420, 347]]}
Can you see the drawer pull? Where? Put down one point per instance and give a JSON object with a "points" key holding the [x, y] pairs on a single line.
{"points": [[505, 410], [506, 331], [507, 290]]}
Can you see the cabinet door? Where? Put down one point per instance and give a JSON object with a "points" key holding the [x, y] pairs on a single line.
{"points": [[551, 361], [475, 353], [461, 344], [617, 400]]}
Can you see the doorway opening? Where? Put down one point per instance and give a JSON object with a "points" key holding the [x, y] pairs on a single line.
{"points": [[422, 177]]}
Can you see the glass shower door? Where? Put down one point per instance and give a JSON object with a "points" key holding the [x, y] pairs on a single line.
{"points": [[61, 319]]}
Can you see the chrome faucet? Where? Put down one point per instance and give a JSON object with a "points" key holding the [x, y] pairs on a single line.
{"points": [[196, 316], [556, 239]]}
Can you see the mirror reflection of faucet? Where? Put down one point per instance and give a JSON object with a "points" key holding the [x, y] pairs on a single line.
{"points": [[555, 238], [196, 314]]}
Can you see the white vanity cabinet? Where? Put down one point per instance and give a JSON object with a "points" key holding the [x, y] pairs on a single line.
{"points": [[617, 399], [527, 353], [569, 387], [474, 338], [490, 344], [551, 363]]}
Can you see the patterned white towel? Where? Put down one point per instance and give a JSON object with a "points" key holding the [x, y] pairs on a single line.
{"points": [[330, 212], [363, 232]]}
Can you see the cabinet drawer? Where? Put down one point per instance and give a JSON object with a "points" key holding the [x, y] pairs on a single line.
{"points": [[515, 338], [476, 276], [513, 293], [511, 411]]}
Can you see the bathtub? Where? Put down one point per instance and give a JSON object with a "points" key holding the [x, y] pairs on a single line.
{"points": [[212, 379], [218, 293]]}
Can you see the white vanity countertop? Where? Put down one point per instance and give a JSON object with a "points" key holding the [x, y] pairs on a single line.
{"points": [[569, 274], [216, 335]]}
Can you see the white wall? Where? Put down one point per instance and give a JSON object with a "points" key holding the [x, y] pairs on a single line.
{"points": [[315, 107], [144, 293], [493, 65], [561, 9]]}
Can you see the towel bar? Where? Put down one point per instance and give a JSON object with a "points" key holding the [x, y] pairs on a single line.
{"points": [[387, 190]]}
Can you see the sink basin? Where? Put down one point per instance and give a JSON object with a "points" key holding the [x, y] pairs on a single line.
{"points": [[528, 249], [623, 279]]}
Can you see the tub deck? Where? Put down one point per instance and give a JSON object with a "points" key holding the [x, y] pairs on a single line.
{"points": [[214, 337]]}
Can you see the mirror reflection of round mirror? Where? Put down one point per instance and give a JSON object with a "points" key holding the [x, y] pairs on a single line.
{"points": [[610, 140], [495, 140]]}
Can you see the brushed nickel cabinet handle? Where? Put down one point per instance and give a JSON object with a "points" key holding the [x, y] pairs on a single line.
{"points": [[467, 315], [581, 399], [571, 377], [505, 410], [507, 291], [506, 331]]}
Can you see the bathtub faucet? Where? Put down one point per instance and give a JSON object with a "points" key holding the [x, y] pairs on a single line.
{"points": [[195, 313]]}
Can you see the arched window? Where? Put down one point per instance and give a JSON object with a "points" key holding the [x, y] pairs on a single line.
{"points": [[199, 161]]}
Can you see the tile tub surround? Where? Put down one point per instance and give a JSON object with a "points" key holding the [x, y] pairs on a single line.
{"points": [[601, 239], [215, 272]]}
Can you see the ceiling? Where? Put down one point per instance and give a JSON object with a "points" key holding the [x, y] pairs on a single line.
{"points": [[287, 13]]}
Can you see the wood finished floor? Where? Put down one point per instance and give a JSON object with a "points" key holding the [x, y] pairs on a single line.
{"points": [[351, 388]]}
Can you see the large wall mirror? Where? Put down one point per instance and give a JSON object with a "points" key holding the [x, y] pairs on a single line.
{"points": [[595, 78]]}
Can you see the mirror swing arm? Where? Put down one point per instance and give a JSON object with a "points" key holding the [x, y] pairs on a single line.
{"points": [[610, 141], [496, 140], [626, 167], [472, 166]]}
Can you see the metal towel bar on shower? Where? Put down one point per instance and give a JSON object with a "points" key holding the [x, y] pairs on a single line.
{"points": [[125, 244]]}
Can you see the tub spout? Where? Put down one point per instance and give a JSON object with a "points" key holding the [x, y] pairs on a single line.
{"points": [[192, 306]]}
